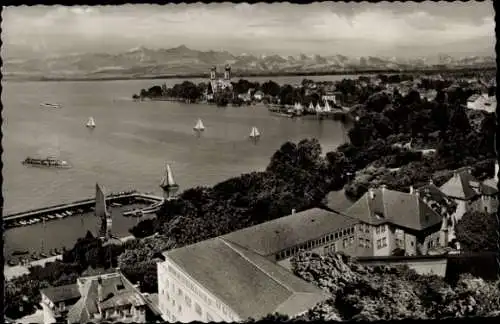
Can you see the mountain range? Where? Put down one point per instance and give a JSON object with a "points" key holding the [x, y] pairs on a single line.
{"points": [[183, 61]]}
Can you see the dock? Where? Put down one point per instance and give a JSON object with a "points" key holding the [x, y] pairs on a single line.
{"points": [[78, 207]]}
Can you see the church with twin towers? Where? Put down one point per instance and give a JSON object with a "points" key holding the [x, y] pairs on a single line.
{"points": [[220, 85]]}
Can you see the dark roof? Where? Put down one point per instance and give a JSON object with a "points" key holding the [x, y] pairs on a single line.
{"points": [[116, 290], [434, 194], [399, 208], [62, 293], [248, 283], [274, 236]]}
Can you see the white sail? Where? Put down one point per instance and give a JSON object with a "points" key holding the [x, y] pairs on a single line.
{"points": [[91, 122], [199, 126], [254, 133], [299, 106], [318, 108], [311, 106], [327, 107]]}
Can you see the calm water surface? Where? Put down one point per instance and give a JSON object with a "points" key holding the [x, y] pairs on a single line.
{"points": [[131, 143]]}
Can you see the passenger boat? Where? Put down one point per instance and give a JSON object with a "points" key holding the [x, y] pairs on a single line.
{"points": [[49, 162]]}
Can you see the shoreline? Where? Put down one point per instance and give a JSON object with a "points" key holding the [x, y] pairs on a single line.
{"points": [[429, 70]]}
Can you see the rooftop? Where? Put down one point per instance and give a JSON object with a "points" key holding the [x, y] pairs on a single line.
{"points": [[274, 236], [235, 274], [399, 208], [465, 186], [61, 293]]}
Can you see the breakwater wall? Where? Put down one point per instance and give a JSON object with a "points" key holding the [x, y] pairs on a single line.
{"points": [[84, 204]]}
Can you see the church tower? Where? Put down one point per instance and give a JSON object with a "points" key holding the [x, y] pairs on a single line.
{"points": [[168, 184], [213, 71], [227, 73]]}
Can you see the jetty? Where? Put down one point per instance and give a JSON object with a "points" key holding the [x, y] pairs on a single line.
{"points": [[78, 207]]}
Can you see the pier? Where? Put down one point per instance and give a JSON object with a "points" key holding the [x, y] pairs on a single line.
{"points": [[79, 207]]}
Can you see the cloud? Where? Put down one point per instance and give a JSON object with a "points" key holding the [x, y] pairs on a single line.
{"points": [[266, 27]]}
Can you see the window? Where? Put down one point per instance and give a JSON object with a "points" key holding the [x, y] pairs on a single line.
{"points": [[179, 309], [336, 235], [379, 245], [351, 240], [197, 308], [345, 242], [187, 300], [362, 242], [179, 292], [368, 243], [384, 241], [173, 301], [167, 296], [378, 230]]}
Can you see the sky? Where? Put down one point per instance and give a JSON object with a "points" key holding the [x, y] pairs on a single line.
{"points": [[400, 29]]}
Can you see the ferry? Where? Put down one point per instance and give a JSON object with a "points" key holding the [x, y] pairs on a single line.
{"points": [[50, 105], [48, 162]]}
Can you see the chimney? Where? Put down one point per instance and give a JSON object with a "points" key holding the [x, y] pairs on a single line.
{"points": [[412, 191], [371, 192]]}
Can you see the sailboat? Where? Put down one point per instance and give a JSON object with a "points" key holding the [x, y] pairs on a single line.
{"points": [[327, 108], [91, 123], [311, 107], [199, 126], [318, 108], [254, 134]]}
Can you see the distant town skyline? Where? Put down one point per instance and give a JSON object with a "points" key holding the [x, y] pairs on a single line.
{"points": [[403, 29]]}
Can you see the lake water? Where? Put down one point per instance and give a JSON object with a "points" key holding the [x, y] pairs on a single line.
{"points": [[132, 142]]}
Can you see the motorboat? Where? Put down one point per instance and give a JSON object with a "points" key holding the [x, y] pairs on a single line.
{"points": [[50, 105]]}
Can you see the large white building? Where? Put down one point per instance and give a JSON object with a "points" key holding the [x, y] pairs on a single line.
{"points": [[245, 274]]}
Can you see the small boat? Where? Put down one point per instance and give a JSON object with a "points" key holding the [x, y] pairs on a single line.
{"points": [[53, 252], [90, 123], [36, 220], [59, 216], [51, 216], [254, 134], [50, 105], [34, 257], [20, 252], [23, 223], [43, 255], [199, 126], [12, 263]]}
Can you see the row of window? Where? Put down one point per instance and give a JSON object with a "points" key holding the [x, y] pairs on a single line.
{"points": [[364, 228], [187, 299], [314, 243], [382, 243], [348, 241], [190, 285]]}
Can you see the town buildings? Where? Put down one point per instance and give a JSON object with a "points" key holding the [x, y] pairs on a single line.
{"points": [[99, 298]]}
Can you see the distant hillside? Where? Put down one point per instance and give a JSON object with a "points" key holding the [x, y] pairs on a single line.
{"points": [[145, 62]]}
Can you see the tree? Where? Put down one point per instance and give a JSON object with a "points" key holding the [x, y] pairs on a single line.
{"points": [[477, 232]]}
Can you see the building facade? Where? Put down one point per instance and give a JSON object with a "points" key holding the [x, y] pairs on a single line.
{"points": [[390, 220], [221, 86], [245, 274]]}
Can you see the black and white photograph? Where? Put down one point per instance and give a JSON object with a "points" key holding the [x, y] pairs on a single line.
{"points": [[238, 162]]}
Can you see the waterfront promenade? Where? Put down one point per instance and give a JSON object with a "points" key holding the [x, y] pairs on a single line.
{"points": [[11, 272]]}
